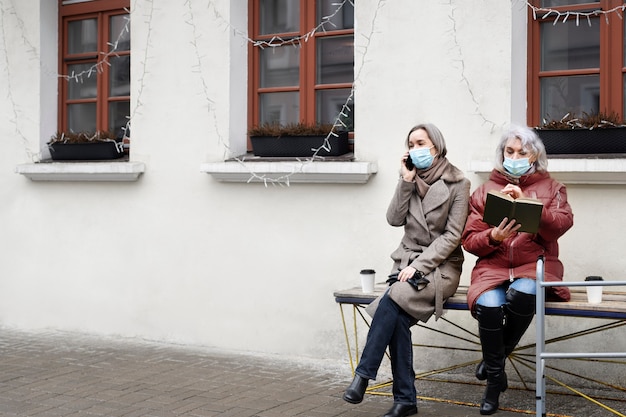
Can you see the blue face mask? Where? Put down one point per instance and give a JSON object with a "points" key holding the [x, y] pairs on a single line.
{"points": [[421, 157], [516, 167]]}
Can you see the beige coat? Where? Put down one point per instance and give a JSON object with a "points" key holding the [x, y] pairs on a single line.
{"points": [[431, 242]]}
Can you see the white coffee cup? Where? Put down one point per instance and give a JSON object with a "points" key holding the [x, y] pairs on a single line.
{"points": [[594, 293], [368, 277]]}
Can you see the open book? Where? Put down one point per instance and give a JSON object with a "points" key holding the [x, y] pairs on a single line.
{"points": [[526, 211]]}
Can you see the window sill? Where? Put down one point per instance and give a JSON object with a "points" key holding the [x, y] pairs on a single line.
{"points": [[291, 171], [574, 170], [82, 171]]}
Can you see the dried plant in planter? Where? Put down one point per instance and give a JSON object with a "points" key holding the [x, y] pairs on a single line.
{"points": [[85, 146], [586, 121], [590, 134], [82, 137], [298, 140], [291, 129]]}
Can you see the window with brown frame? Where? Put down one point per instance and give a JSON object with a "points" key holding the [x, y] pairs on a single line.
{"points": [[94, 63], [576, 62], [301, 62]]}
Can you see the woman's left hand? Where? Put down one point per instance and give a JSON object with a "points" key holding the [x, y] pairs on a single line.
{"points": [[406, 273], [513, 190]]}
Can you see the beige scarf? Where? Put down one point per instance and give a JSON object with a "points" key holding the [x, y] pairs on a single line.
{"points": [[426, 177]]}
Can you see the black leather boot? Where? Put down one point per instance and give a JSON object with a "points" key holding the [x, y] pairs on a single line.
{"points": [[491, 331], [519, 310], [495, 385], [481, 372], [355, 392], [401, 410]]}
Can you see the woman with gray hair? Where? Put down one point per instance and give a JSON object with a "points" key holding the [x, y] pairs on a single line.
{"points": [[430, 202], [501, 295]]}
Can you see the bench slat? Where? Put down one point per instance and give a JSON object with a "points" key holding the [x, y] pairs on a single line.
{"points": [[613, 305]]}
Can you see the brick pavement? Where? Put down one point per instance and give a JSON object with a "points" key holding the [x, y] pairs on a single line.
{"points": [[53, 374]]}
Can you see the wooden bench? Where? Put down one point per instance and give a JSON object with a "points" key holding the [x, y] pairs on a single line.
{"points": [[613, 304], [612, 308]]}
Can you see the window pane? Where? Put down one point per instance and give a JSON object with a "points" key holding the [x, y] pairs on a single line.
{"points": [[283, 108], [279, 16], [81, 117], [82, 36], [330, 106], [567, 46], [86, 87], [118, 32], [280, 66], [119, 111], [338, 18], [575, 94], [335, 60], [119, 76]]}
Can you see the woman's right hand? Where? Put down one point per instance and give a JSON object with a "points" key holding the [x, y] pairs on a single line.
{"points": [[504, 230], [407, 174], [406, 273]]}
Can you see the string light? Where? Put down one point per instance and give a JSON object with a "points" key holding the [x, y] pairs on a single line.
{"points": [[276, 42], [94, 70], [563, 16], [97, 67]]}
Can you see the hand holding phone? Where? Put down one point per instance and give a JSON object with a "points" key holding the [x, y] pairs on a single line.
{"points": [[409, 163]]}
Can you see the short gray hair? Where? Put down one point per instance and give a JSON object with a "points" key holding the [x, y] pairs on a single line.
{"points": [[435, 136], [530, 143]]}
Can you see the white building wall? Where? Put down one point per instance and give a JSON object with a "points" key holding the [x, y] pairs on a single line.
{"points": [[181, 257]]}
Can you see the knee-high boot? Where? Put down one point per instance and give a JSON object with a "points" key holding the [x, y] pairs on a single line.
{"points": [[519, 310], [491, 331]]}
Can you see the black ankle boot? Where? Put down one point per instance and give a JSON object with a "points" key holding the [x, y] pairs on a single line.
{"points": [[491, 398], [401, 410], [355, 392]]}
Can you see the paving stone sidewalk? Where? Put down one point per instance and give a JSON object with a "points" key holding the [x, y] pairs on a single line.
{"points": [[53, 374]]}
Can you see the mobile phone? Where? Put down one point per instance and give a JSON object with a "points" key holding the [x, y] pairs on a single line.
{"points": [[409, 163]]}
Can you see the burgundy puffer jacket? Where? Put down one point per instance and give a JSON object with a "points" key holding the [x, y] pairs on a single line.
{"points": [[516, 256]]}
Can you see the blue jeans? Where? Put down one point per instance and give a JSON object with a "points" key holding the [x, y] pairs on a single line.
{"points": [[497, 296], [391, 326]]}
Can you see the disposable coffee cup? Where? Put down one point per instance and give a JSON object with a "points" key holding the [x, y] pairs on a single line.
{"points": [[367, 280], [594, 293]]}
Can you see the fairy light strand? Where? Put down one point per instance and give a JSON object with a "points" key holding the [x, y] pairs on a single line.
{"points": [[563, 16], [299, 164], [559, 16]]}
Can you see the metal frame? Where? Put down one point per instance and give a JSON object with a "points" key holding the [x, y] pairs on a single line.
{"points": [[541, 355]]}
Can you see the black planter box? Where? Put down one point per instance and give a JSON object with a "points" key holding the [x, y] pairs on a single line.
{"points": [[583, 141], [299, 145], [85, 151]]}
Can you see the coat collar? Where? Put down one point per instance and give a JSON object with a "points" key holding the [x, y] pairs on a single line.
{"points": [[525, 180]]}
